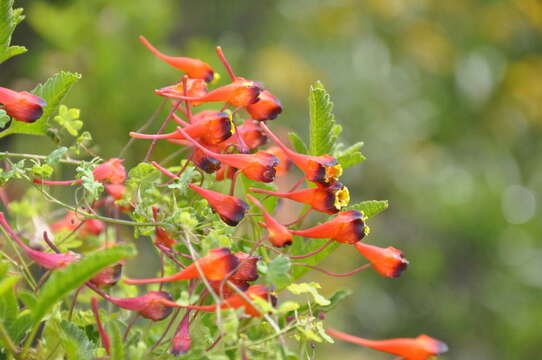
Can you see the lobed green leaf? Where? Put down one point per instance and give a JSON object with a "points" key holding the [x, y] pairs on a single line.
{"points": [[323, 129], [370, 208]]}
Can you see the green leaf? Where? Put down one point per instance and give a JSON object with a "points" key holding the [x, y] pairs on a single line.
{"points": [[21, 325], [52, 91], [9, 19], [370, 208], [55, 156], [309, 288], [278, 272], [69, 120], [93, 188], [143, 174], [117, 346], [323, 129], [351, 156], [4, 119], [7, 284], [65, 280], [298, 143], [75, 342]]}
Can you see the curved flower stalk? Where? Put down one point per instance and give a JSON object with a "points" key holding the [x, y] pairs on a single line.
{"points": [[259, 166], [278, 234], [347, 227], [216, 265], [324, 169], [230, 208], [49, 261], [329, 200], [422, 347], [22, 106], [388, 262], [194, 68]]}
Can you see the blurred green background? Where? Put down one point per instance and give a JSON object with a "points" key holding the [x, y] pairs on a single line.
{"points": [[447, 96]]}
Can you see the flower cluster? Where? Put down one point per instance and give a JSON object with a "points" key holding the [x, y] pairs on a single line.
{"points": [[225, 144]]}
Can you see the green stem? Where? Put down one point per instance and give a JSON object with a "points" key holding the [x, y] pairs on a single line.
{"points": [[8, 342], [37, 157]]}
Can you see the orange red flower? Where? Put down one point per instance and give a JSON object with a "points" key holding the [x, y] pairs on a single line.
{"points": [[22, 106], [388, 262], [278, 234], [267, 108], [230, 208], [347, 227]]}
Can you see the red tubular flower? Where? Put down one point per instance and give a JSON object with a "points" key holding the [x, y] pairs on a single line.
{"points": [[421, 348], [251, 133], [22, 106], [259, 166], [245, 272], [240, 93], [330, 199], [194, 68], [150, 306], [115, 190], [216, 265], [47, 260], [211, 129], [108, 276], [347, 227], [230, 208], [388, 262], [111, 171], [284, 162], [279, 235], [194, 88], [322, 169], [181, 342], [162, 237], [204, 162], [267, 108], [235, 302]]}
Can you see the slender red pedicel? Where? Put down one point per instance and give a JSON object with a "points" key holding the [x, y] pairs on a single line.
{"points": [[239, 93], [279, 235], [388, 262], [103, 335], [327, 199], [216, 265], [194, 68], [49, 261], [322, 169], [259, 166], [230, 208], [422, 347], [347, 227], [267, 108], [22, 106]]}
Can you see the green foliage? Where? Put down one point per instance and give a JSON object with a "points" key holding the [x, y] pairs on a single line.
{"points": [[52, 91], [4, 119], [323, 129], [350, 156], [93, 188], [117, 345], [278, 272], [309, 288], [9, 19], [64, 281], [370, 208], [75, 342], [69, 120], [298, 143]]}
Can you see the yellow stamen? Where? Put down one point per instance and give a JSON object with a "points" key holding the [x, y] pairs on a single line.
{"points": [[333, 172], [342, 198]]}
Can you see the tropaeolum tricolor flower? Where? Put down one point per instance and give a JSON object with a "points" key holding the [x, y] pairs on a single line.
{"points": [[22, 106]]}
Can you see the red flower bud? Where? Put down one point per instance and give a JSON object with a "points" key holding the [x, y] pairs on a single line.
{"points": [[194, 68], [230, 208], [162, 237], [216, 265], [115, 190], [247, 269], [70, 222], [322, 169], [388, 262], [330, 199], [181, 342], [108, 276], [152, 305], [279, 235], [111, 171], [239, 93], [421, 348], [259, 166], [22, 106], [347, 227], [267, 108], [204, 162]]}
